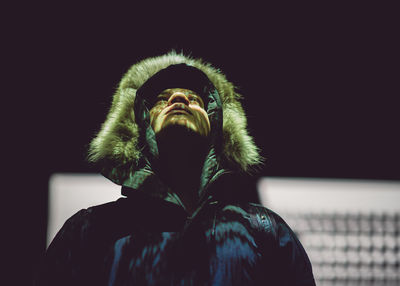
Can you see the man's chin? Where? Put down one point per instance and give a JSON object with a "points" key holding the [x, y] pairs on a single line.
{"points": [[177, 131], [180, 140], [181, 135]]}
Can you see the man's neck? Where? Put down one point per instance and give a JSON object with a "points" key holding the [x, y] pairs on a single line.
{"points": [[181, 159]]}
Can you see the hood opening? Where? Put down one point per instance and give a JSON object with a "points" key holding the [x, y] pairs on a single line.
{"points": [[181, 76]]}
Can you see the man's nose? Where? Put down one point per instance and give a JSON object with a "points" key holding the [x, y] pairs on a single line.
{"points": [[178, 97]]}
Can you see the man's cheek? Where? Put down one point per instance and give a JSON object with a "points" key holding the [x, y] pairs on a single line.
{"points": [[202, 123], [154, 113]]}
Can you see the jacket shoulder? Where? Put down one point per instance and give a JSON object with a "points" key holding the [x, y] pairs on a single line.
{"points": [[261, 217], [91, 222], [76, 249], [288, 251]]}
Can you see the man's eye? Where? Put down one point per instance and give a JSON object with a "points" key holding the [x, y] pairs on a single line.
{"points": [[192, 98], [160, 102], [162, 98], [195, 99]]}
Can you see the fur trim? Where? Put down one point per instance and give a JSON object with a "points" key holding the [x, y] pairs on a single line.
{"points": [[117, 139]]}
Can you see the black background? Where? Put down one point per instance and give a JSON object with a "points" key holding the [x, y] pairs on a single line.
{"points": [[320, 85]]}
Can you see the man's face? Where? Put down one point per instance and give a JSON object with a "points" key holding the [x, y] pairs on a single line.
{"points": [[178, 106]]}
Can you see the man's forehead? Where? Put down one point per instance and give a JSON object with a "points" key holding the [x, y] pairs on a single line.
{"points": [[178, 89], [176, 76]]}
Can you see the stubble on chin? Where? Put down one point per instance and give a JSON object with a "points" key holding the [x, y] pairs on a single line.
{"points": [[179, 120]]}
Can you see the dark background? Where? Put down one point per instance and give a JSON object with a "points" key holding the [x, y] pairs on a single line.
{"points": [[320, 85]]}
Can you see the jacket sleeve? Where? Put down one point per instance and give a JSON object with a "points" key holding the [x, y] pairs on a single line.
{"points": [[293, 261], [64, 260]]}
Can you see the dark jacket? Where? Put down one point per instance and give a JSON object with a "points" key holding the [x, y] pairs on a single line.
{"points": [[141, 240], [148, 238]]}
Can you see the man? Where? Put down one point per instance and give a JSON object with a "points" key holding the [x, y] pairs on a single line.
{"points": [[175, 139]]}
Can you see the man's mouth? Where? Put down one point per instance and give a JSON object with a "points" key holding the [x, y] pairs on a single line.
{"points": [[179, 108]]}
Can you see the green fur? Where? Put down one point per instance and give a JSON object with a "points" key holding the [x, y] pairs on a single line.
{"points": [[117, 139]]}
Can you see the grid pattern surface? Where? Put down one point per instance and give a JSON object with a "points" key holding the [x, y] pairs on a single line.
{"points": [[350, 248], [350, 229]]}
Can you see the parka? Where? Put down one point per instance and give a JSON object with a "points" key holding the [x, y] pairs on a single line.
{"points": [[147, 237]]}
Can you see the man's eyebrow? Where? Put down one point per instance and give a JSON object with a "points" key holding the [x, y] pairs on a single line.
{"points": [[191, 92], [170, 91]]}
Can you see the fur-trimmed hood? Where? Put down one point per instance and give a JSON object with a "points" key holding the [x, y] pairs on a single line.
{"points": [[117, 143]]}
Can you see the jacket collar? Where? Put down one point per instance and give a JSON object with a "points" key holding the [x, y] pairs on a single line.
{"points": [[146, 181]]}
